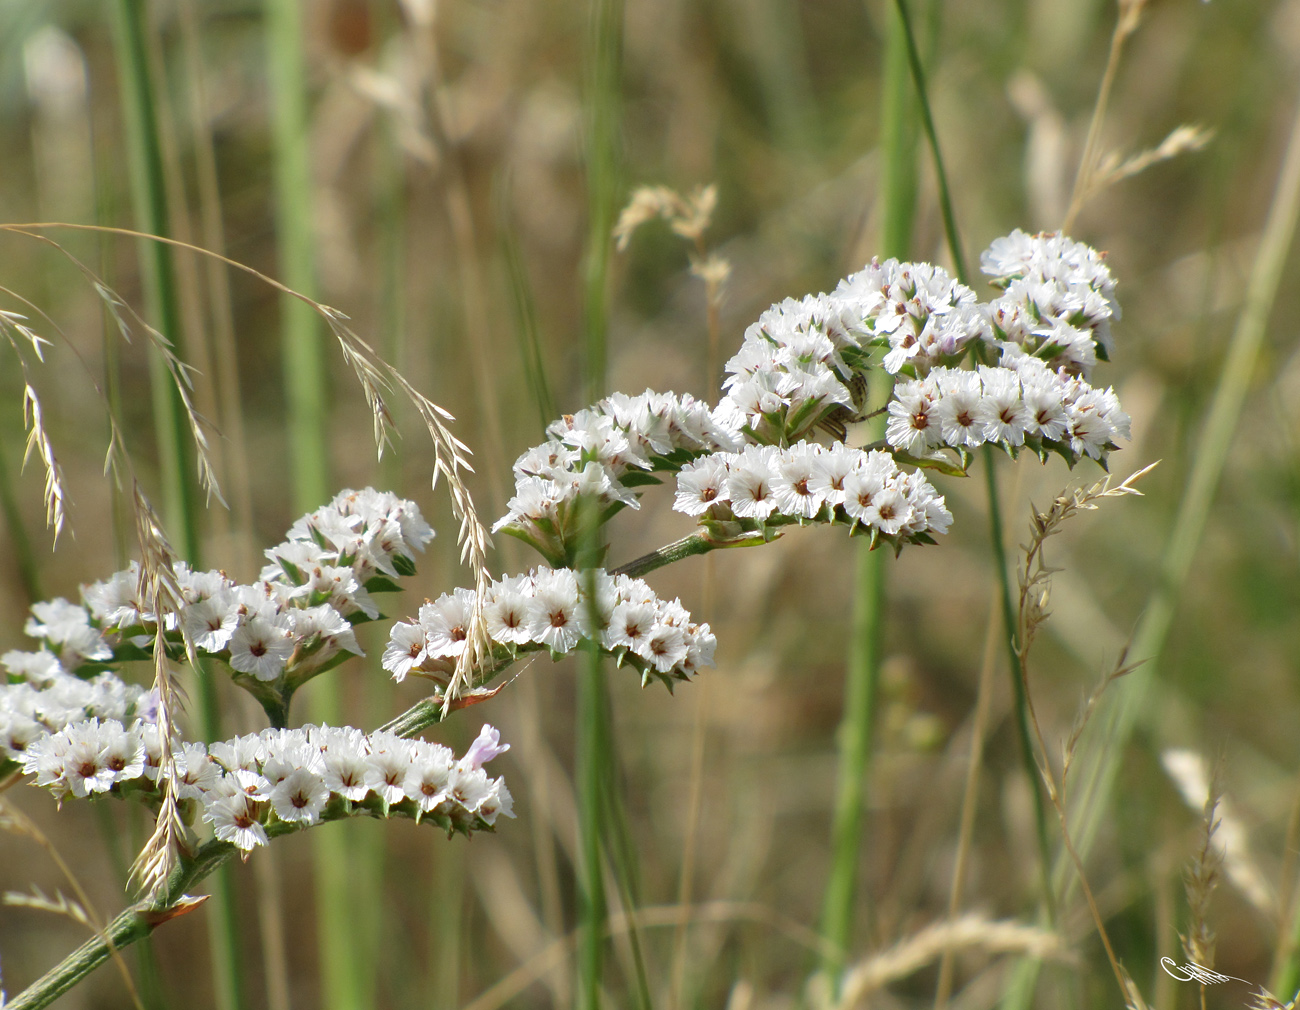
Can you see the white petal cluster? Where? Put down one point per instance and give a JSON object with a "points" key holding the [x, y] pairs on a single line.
{"points": [[924, 315], [65, 627], [1059, 298], [791, 367], [589, 453], [551, 608], [331, 554], [1021, 402], [245, 784], [47, 698], [808, 481]]}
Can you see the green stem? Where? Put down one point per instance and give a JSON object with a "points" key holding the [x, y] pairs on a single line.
{"points": [[603, 101], [995, 515], [688, 546]]}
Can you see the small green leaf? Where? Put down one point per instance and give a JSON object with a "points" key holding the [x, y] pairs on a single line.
{"points": [[404, 565], [937, 462]]}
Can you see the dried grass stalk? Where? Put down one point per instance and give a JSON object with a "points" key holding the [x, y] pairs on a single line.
{"points": [[970, 932], [161, 592]]}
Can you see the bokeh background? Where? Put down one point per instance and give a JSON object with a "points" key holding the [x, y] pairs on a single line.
{"points": [[449, 217]]}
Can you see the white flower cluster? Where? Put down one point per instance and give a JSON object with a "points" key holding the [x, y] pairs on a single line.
{"points": [[1059, 298], [291, 775], [301, 612], [551, 608], [925, 316], [594, 452], [810, 481], [48, 697], [791, 367], [1022, 402], [805, 356]]}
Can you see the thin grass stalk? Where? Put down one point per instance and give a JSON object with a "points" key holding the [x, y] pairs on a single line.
{"points": [[604, 61], [342, 975], [603, 89], [149, 192], [995, 512]]}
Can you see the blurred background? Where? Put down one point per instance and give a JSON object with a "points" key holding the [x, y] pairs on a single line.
{"points": [[423, 167]]}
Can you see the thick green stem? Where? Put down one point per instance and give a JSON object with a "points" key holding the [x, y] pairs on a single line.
{"points": [[855, 736]]}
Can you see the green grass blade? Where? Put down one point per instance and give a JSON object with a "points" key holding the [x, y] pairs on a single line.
{"points": [[603, 106]]}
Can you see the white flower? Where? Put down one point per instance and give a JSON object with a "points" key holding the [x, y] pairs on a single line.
{"points": [[406, 650], [749, 483], [889, 511], [234, 817], [300, 796], [386, 767], [630, 626], [912, 425], [210, 623], [555, 611], [261, 647], [429, 778], [196, 775], [664, 648], [957, 408], [700, 485], [506, 611], [1002, 409], [792, 483], [829, 470], [40, 668], [495, 801], [446, 623], [344, 771]]}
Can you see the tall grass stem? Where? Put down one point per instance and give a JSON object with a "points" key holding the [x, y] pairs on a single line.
{"points": [[342, 975]]}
